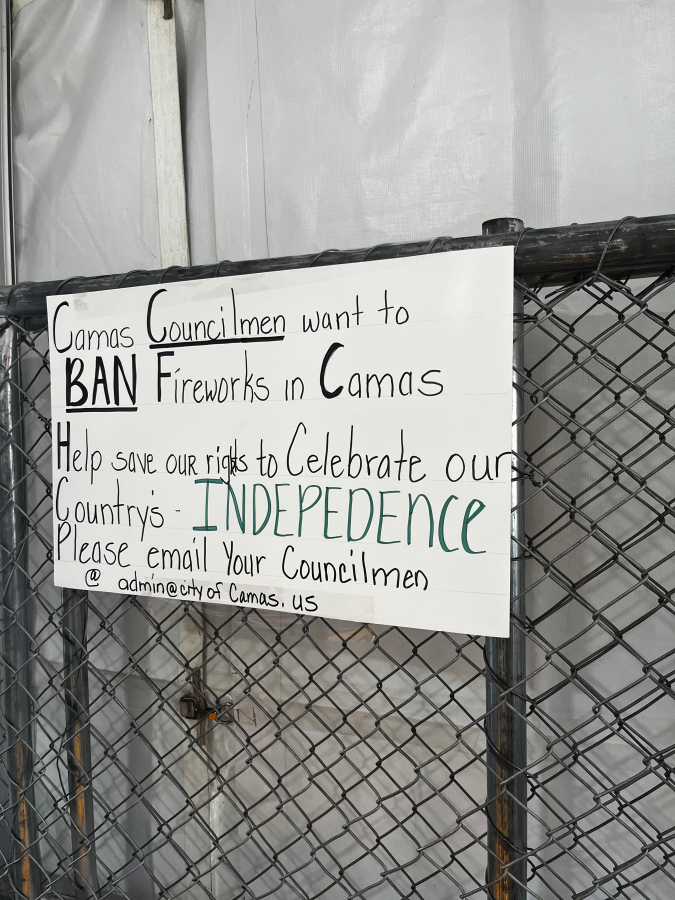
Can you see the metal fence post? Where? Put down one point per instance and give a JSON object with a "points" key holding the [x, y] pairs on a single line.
{"points": [[78, 739], [18, 701], [505, 665]]}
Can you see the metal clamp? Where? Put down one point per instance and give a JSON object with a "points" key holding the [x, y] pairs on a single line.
{"points": [[193, 708]]}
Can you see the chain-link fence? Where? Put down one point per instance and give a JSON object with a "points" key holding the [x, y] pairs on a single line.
{"points": [[166, 749]]}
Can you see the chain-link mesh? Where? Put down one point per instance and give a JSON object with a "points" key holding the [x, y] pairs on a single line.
{"points": [[314, 758]]}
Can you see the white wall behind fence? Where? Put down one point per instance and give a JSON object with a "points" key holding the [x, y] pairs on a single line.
{"points": [[351, 123], [311, 125]]}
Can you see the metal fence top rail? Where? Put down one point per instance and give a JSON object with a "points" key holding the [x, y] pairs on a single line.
{"points": [[629, 246]]}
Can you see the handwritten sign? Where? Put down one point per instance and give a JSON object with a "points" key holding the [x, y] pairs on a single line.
{"points": [[331, 441]]}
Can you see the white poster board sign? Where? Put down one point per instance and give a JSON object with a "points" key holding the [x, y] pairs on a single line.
{"points": [[331, 441]]}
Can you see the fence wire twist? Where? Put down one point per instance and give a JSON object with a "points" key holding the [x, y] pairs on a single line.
{"points": [[239, 754]]}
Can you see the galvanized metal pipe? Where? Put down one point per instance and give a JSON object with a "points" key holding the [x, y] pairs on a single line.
{"points": [[6, 181], [25, 868], [639, 246], [18, 705], [505, 664], [78, 740]]}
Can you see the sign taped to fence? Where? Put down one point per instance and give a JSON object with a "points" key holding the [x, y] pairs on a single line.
{"points": [[332, 441]]}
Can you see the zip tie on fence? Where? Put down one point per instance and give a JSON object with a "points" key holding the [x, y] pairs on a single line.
{"points": [[521, 319], [126, 275], [319, 255], [609, 241], [166, 271], [373, 249], [432, 244], [66, 280], [517, 247], [222, 263], [8, 309]]}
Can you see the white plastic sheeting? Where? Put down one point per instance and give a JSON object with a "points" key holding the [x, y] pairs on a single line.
{"points": [[376, 121], [85, 183], [312, 125]]}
